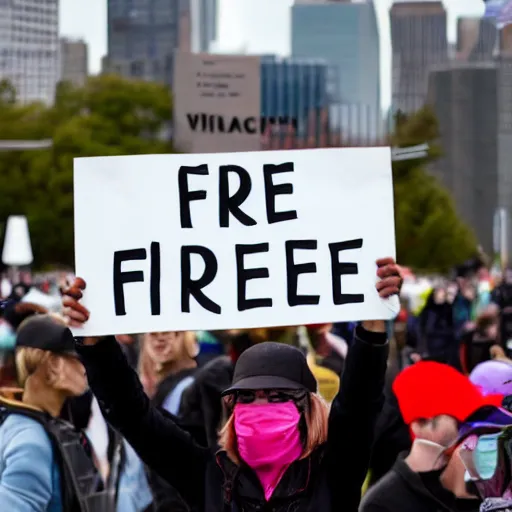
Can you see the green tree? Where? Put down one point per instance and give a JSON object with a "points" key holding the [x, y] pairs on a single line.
{"points": [[430, 235], [109, 116]]}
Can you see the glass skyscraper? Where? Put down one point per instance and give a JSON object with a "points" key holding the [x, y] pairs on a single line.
{"points": [[293, 92], [204, 24], [346, 36], [142, 37]]}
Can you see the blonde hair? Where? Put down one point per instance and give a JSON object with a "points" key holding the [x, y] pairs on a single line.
{"points": [[317, 418], [28, 360], [150, 373]]}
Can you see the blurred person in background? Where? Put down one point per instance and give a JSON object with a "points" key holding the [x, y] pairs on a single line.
{"points": [[477, 344], [168, 364], [330, 350], [463, 307], [12, 314], [319, 464], [437, 331], [493, 377], [502, 297], [434, 399]]}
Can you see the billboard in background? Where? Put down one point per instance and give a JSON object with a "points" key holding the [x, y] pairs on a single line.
{"points": [[217, 103]]}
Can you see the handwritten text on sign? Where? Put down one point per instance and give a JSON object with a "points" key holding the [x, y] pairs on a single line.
{"points": [[239, 240]]}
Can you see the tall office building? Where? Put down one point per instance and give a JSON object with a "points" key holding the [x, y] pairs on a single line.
{"points": [[465, 100], [477, 39], [74, 61], [293, 98], [204, 24], [346, 36], [419, 42], [142, 37], [29, 48]]}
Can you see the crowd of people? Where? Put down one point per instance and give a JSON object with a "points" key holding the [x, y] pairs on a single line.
{"points": [[413, 414]]}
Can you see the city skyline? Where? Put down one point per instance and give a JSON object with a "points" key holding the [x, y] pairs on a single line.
{"points": [[244, 25]]}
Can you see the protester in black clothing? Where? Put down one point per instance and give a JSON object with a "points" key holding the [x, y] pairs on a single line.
{"points": [[477, 344], [318, 461], [433, 398], [436, 330], [502, 297]]}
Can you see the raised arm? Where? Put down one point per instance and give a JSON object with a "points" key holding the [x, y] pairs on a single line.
{"points": [[356, 407], [153, 433]]}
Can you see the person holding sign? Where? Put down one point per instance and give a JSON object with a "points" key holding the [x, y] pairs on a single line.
{"points": [[281, 449]]}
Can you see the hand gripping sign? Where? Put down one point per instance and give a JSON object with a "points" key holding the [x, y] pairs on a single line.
{"points": [[235, 240]]}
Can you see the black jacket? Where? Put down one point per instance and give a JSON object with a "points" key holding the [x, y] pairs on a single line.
{"points": [[403, 490], [201, 403], [330, 479]]}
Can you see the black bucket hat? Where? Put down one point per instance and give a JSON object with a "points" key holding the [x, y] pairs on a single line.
{"points": [[272, 365]]}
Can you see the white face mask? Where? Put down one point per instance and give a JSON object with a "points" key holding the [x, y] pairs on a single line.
{"points": [[436, 452]]}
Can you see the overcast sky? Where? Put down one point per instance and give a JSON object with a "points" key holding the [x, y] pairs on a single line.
{"points": [[243, 25]]}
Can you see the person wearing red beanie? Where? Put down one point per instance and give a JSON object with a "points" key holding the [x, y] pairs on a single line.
{"points": [[435, 401]]}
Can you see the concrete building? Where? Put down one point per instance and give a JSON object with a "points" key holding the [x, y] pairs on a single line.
{"points": [[476, 149], [345, 35], [143, 35], [29, 48], [419, 42], [204, 24], [74, 61]]}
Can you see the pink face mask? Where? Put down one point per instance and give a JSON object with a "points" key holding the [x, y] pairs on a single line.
{"points": [[268, 439]]}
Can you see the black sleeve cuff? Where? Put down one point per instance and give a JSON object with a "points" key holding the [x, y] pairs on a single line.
{"points": [[372, 338]]}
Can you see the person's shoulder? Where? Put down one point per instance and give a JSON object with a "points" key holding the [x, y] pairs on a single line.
{"points": [[21, 431], [381, 494]]}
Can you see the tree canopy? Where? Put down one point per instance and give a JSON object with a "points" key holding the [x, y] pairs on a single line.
{"points": [[114, 116], [430, 235], [109, 116]]}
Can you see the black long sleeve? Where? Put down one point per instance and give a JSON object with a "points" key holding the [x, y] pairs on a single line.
{"points": [[154, 434], [353, 417]]}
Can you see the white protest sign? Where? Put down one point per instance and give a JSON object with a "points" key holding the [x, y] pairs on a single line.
{"points": [[234, 240]]}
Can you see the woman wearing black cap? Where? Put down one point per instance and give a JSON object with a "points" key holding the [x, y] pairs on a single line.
{"points": [[281, 449]]}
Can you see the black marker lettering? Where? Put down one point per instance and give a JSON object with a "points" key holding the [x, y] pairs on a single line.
{"points": [[243, 275], [339, 269], [154, 282], [193, 288], [293, 271], [186, 196], [271, 191], [231, 204], [121, 278]]}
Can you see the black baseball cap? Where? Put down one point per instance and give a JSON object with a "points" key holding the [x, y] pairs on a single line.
{"points": [[272, 365], [45, 333]]}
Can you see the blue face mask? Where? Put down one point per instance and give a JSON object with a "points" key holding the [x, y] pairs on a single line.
{"points": [[485, 456]]}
